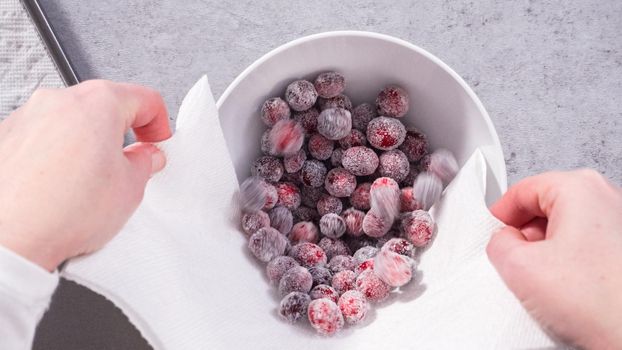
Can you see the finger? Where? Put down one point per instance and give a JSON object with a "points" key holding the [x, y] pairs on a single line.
{"points": [[147, 115], [503, 242], [144, 159], [535, 230], [530, 198]]}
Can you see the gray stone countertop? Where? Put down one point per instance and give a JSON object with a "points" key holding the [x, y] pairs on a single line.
{"points": [[548, 72]]}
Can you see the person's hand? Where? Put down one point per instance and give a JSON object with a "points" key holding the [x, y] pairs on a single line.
{"points": [[67, 186], [561, 254]]}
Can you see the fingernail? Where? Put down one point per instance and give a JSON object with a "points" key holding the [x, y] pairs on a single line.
{"points": [[158, 161]]}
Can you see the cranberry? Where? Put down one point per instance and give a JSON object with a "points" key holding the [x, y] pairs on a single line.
{"points": [[400, 246], [353, 139], [267, 167], [392, 268], [341, 262], [296, 279], [286, 138], [308, 254], [313, 173], [325, 316], [277, 267], [408, 202], [324, 291], [289, 195], [300, 95], [308, 120], [332, 225], [303, 213], [339, 101], [372, 286], [334, 247], [293, 163], [353, 219], [339, 182], [392, 102], [418, 227], [415, 145], [360, 197], [353, 306], [362, 115], [320, 147], [267, 243], [360, 160], [343, 281], [329, 204], [294, 306], [253, 221], [385, 133], [329, 84], [274, 110], [310, 195], [334, 123], [304, 231], [321, 275]]}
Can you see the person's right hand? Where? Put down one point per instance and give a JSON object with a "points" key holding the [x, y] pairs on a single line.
{"points": [[561, 254]]}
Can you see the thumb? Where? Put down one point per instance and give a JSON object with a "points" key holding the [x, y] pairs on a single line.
{"points": [[144, 160], [511, 254]]}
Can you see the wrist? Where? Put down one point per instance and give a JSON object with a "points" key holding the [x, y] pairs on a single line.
{"points": [[43, 255]]}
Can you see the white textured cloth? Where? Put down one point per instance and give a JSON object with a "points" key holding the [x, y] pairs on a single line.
{"points": [[24, 62], [25, 293], [181, 272]]}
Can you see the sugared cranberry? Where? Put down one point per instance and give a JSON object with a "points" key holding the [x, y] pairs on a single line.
{"points": [[341, 262], [267, 243], [408, 202], [334, 247], [296, 279], [329, 84], [313, 173], [294, 306], [325, 316], [310, 195], [308, 254], [400, 246], [332, 225], [254, 220], [321, 275], [274, 110], [339, 101], [294, 162], [277, 267], [339, 182], [300, 95], [372, 287], [308, 120], [415, 145], [394, 164], [286, 137], [344, 281], [289, 195], [360, 197], [385, 133], [392, 101], [303, 213], [320, 147], [329, 204], [353, 306], [353, 219], [384, 195], [362, 115], [353, 139], [304, 231], [375, 224], [267, 167], [392, 268], [418, 227], [364, 265], [324, 291], [365, 253], [334, 123], [360, 160]]}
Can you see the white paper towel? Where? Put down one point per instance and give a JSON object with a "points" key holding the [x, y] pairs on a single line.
{"points": [[181, 272]]}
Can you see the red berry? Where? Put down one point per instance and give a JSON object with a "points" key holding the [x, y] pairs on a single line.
{"points": [[325, 316], [329, 204], [365, 253], [267, 243], [384, 195], [293, 163], [418, 227], [354, 221], [353, 139], [353, 306], [376, 225], [320, 147], [339, 101], [296, 279], [362, 115], [253, 221], [304, 231], [385, 133], [394, 164], [313, 173], [343, 281], [400, 246], [334, 123], [332, 225], [392, 268], [415, 145], [408, 202], [360, 197], [294, 306], [277, 267], [324, 291], [334, 247], [286, 137], [372, 287], [267, 167], [274, 110], [339, 182], [329, 84], [321, 275], [310, 195], [308, 120], [308, 254], [360, 160], [364, 265], [300, 95], [341, 262], [335, 158], [289, 195], [392, 102]]}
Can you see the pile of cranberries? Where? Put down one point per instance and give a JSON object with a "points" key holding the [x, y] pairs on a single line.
{"points": [[337, 204]]}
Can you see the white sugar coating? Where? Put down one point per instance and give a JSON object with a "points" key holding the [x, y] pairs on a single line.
{"points": [[341, 262], [385, 133], [394, 269], [324, 291], [384, 197], [266, 144], [353, 306], [332, 225], [304, 231], [277, 267], [308, 254], [343, 281], [334, 123], [325, 316], [286, 137], [372, 286], [253, 221], [427, 189], [418, 227], [360, 197], [253, 193], [375, 224], [294, 162], [320, 147], [354, 221], [296, 279], [360, 160], [274, 110], [267, 167], [293, 306], [333, 247], [365, 253], [394, 164], [281, 219], [339, 182], [267, 243], [313, 173], [329, 84], [400, 246], [329, 204], [300, 95], [339, 101], [444, 165]]}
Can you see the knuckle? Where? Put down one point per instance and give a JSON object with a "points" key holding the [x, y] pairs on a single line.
{"points": [[96, 90]]}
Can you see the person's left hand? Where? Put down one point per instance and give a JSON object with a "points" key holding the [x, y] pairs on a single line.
{"points": [[67, 185]]}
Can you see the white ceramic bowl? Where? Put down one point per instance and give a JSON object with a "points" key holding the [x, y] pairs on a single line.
{"points": [[442, 105]]}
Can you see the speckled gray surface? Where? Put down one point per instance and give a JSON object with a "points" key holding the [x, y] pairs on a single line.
{"points": [[549, 72]]}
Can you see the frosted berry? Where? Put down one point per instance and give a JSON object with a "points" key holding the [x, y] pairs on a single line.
{"points": [[335, 158], [267, 167], [296, 279], [427, 189], [294, 162], [364, 265], [304, 231], [274, 110], [320, 147], [334, 123], [415, 145], [308, 120], [321, 275], [444, 165], [281, 219], [372, 287], [300, 95], [324, 291], [267, 243], [393, 269], [286, 138], [289, 195], [325, 316], [332, 225], [360, 160], [408, 202], [365, 253], [303, 213], [313, 173], [412, 175], [310, 195], [343, 281], [353, 139], [341, 262], [329, 84], [254, 220], [277, 267], [418, 227], [394, 164], [353, 219], [339, 182], [385, 133], [339, 101], [360, 197], [375, 224], [384, 197], [392, 102], [362, 115], [329, 204], [333, 247], [266, 144], [308, 254], [294, 306], [255, 194], [353, 306]]}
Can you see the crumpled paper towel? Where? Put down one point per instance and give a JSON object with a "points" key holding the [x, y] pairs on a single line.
{"points": [[181, 272]]}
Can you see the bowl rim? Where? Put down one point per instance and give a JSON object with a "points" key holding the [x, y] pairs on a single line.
{"points": [[502, 182]]}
